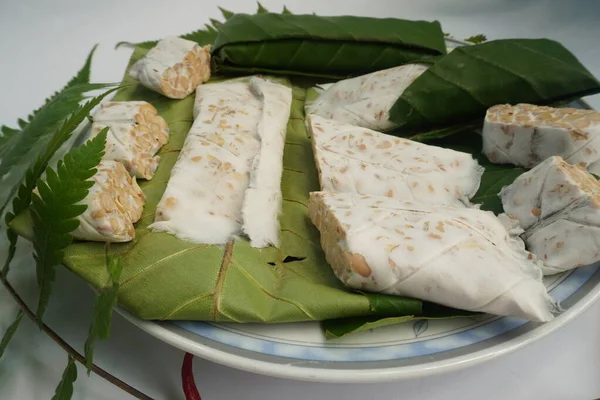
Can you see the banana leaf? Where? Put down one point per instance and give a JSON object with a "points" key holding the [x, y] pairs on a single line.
{"points": [[462, 85], [165, 278], [326, 47]]}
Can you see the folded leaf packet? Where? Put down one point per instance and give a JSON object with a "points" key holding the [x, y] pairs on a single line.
{"points": [[558, 205], [365, 100], [526, 135], [236, 140], [462, 85], [358, 160], [329, 47], [174, 67], [136, 133], [458, 257]]}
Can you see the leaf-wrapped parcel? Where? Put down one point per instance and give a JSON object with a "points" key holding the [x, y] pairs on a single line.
{"points": [[459, 257], [558, 206], [166, 278], [328, 47], [465, 83]]}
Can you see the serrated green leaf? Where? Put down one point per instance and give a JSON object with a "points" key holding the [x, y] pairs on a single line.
{"points": [[330, 47], [34, 172], [476, 39], [10, 332], [82, 77], [64, 390], [261, 9], [464, 84], [103, 308], [12, 245], [226, 14], [286, 10], [52, 209]]}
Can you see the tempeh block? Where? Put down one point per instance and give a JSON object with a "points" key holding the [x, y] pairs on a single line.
{"points": [[174, 67], [359, 160], [458, 257], [136, 133]]}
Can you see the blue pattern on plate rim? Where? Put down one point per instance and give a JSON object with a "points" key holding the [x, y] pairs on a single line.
{"points": [[388, 352]]}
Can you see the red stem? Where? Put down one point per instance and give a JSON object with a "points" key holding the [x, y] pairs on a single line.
{"points": [[187, 379]]}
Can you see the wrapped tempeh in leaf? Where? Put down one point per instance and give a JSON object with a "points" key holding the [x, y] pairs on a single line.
{"points": [[174, 67], [461, 86], [114, 203], [358, 160], [558, 206], [458, 257], [136, 133], [329, 47], [204, 197], [365, 100], [526, 135]]}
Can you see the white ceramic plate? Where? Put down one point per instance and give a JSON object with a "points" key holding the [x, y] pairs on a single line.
{"points": [[300, 351], [414, 349]]}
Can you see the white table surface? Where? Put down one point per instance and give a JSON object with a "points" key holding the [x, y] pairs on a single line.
{"points": [[43, 43]]}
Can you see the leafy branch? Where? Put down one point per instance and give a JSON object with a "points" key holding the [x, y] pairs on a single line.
{"points": [[66, 347], [54, 209], [103, 308]]}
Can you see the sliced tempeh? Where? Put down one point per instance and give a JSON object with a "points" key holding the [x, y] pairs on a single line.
{"points": [[115, 202], [136, 134], [359, 160], [459, 257], [204, 197], [262, 202], [558, 205], [365, 100], [174, 67], [527, 134]]}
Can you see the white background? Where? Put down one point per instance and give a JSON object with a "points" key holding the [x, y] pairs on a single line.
{"points": [[43, 43]]}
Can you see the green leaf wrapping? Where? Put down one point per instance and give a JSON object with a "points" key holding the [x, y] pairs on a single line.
{"points": [[465, 83], [103, 308], [327, 47], [10, 332], [64, 390], [55, 207], [165, 278]]}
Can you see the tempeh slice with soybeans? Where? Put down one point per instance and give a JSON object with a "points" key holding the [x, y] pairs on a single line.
{"points": [[459, 257], [359, 160], [365, 100], [558, 206], [115, 202], [174, 67], [527, 134], [262, 201], [136, 133], [205, 193]]}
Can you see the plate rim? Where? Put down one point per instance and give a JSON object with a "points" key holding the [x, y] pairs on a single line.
{"points": [[180, 338]]}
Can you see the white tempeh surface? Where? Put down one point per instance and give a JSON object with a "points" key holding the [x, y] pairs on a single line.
{"points": [[262, 201], [558, 205], [459, 257], [204, 197], [365, 100], [359, 160]]}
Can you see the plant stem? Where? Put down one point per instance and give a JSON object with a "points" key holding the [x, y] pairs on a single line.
{"points": [[72, 352]]}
